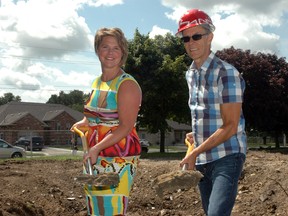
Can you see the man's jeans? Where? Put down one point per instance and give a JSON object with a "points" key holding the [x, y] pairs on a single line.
{"points": [[218, 187]]}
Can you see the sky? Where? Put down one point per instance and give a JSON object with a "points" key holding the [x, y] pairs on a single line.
{"points": [[46, 46]]}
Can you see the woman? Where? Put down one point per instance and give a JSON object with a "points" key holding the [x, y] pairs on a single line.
{"points": [[110, 116]]}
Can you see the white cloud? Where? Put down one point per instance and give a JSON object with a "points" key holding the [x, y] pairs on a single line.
{"points": [[98, 3], [40, 31], [158, 31], [41, 27], [46, 45], [241, 24], [234, 31], [17, 80]]}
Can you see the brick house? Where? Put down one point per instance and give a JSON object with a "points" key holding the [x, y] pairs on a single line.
{"points": [[175, 135], [25, 119], [53, 121]]}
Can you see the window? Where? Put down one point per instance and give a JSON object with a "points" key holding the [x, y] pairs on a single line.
{"points": [[178, 136], [68, 126], [58, 126]]}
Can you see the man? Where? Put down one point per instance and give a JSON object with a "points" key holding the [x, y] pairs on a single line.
{"points": [[218, 127]]}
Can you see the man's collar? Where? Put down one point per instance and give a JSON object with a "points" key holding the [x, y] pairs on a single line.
{"points": [[205, 65]]}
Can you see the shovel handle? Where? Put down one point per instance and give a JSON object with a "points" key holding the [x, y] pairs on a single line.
{"points": [[85, 149], [83, 138], [189, 145], [185, 167], [88, 164]]}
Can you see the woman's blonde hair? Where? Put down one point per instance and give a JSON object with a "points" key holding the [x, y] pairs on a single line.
{"points": [[118, 35]]}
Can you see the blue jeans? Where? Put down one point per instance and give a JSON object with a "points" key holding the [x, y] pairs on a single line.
{"points": [[218, 187]]}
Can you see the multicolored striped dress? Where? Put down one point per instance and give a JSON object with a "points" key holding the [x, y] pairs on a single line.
{"points": [[122, 157]]}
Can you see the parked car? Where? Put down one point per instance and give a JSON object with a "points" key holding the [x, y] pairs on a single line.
{"points": [[144, 145], [9, 151], [37, 143]]}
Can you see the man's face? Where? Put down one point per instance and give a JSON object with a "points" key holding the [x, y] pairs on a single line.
{"points": [[198, 50]]}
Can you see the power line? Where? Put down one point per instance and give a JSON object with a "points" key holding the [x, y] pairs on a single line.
{"points": [[33, 58], [42, 47], [26, 87], [30, 58]]}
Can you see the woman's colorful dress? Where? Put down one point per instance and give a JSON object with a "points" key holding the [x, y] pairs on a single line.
{"points": [[102, 114]]}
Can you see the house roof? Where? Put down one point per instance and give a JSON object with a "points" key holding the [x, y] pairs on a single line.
{"points": [[178, 126], [12, 118], [43, 112], [50, 115]]}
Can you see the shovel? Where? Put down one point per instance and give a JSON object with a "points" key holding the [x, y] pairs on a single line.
{"points": [[100, 180], [181, 179]]}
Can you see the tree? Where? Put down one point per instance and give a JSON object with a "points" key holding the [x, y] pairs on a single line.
{"points": [[74, 99], [158, 65], [8, 97], [265, 100]]}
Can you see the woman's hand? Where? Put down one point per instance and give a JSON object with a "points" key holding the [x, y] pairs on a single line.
{"points": [[82, 125], [93, 154]]}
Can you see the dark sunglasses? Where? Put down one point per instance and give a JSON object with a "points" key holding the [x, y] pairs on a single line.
{"points": [[195, 37]]}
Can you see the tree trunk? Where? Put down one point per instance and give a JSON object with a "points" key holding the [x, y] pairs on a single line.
{"points": [[277, 143], [162, 141], [264, 140]]}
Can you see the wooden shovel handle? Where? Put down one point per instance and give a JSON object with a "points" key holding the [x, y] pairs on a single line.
{"points": [[85, 148], [189, 145], [83, 139]]}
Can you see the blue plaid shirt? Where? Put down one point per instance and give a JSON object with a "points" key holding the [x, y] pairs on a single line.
{"points": [[215, 83]]}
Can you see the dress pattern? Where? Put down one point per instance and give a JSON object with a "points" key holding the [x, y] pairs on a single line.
{"points": [[122, 157]]}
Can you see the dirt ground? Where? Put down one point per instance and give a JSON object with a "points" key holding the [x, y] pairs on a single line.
{"points": [[29, 188]]}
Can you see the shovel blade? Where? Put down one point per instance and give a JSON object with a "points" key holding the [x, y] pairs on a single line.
{"points": [[181, 179], [99, 180]]}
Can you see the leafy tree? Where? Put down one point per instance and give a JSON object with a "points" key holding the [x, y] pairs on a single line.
{"points": [[265, 101], [74, 99], [8, 97], [158, 65]]}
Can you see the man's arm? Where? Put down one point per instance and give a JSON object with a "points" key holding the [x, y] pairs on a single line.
{"points": [[230, 113]]}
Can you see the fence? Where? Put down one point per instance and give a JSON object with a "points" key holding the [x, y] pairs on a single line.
{"points": [[50, 137], [64, 137]]}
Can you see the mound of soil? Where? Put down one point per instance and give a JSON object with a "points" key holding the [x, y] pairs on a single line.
{"points": [[47, 187]]}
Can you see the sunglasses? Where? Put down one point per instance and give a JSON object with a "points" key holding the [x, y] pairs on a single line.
{"points": [[195, 37]]}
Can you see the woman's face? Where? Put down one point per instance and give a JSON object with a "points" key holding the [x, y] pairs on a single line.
{"points": [[109, 52]]}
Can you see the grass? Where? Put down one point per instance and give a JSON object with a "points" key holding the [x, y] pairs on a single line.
{"points": [[43, 158], [80, 148], [59, 157]]}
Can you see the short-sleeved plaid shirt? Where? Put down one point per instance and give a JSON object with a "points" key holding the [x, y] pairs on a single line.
{"points": [[215, 83]]}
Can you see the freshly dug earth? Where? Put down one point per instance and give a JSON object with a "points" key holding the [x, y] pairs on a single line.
{"points": [[175, 180], [102, 180], [47, 187]]}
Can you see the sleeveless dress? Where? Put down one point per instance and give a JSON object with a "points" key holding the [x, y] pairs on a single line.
{"points": [[122, 157]]}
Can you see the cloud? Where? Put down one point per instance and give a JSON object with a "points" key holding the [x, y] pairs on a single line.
{"points": [[242, 24], [46, 45], [158, 31], [98, 3], [42, 29], [17, 80], [35, 37]]}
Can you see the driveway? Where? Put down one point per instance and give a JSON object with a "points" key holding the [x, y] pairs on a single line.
{"points": [[50, 151]]}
